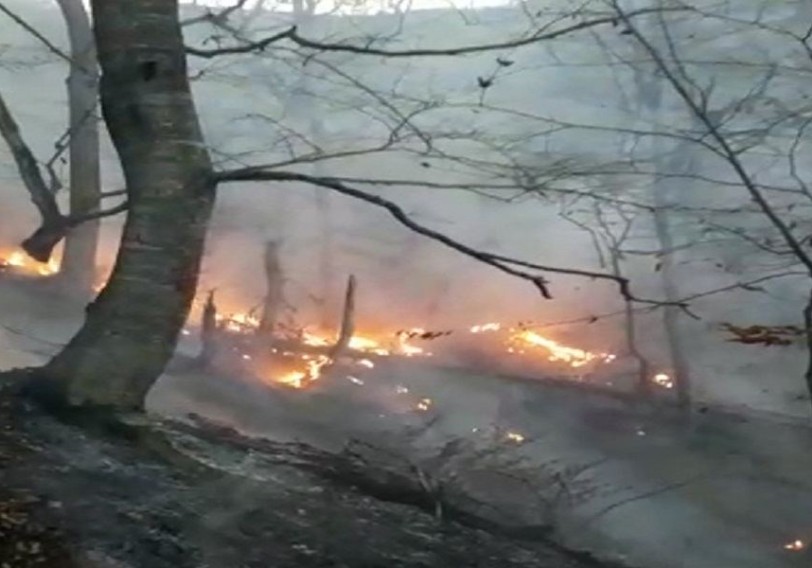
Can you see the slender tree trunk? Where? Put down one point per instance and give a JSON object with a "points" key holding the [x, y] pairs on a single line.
{"points": [[679, 361], [79, 258], [347, 329], [808, 336], [131, 329], [630, 329], [649, 98], [274, 279], [208, 333]]}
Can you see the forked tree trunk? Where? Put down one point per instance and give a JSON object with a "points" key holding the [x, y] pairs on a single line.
{"points": [[131, 329], [79, 259]]}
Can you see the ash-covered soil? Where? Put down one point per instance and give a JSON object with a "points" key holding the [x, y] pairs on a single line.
{"points": [[70, 497]]}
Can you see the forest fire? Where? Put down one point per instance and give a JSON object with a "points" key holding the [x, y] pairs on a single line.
{"points": [[297, 367], [19, 262], [522, 341], [303, 365]]}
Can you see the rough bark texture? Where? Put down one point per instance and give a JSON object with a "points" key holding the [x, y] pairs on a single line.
{"points": [[131, 329], [79, 258]]}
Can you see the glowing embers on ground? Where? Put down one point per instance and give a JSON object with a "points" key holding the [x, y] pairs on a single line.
{"points": [[796, 545], [18, 262], [664, 380]]}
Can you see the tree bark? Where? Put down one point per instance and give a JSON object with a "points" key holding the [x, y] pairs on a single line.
{"points": [[272, 303], [79, 258], [347, 329], [131, 329]]}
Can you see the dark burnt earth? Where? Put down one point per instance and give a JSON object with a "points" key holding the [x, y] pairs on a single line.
{"points": [[73, 497]]}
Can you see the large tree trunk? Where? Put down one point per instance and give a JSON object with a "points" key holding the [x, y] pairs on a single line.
{"points": [[131, 329], [79, 258]]}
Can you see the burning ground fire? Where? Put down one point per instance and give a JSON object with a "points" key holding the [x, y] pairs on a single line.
{"points": [[361, 346], [306, 368], [19, 262]]}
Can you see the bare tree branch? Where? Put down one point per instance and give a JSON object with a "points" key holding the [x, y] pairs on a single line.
{"points": [[730, 155], [215, 17], [33, 31], [292, 34], [502, 263]]}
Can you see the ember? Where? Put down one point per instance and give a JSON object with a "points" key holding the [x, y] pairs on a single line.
{"points": [[663, 380], [515, 437], [795, 545]]}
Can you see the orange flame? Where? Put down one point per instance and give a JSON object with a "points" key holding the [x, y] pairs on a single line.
{"points": [[572, 356], [20, 262]]}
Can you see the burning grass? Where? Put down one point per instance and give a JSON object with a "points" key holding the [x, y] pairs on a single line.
{"points": [[19, 263], [298, 357]]}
